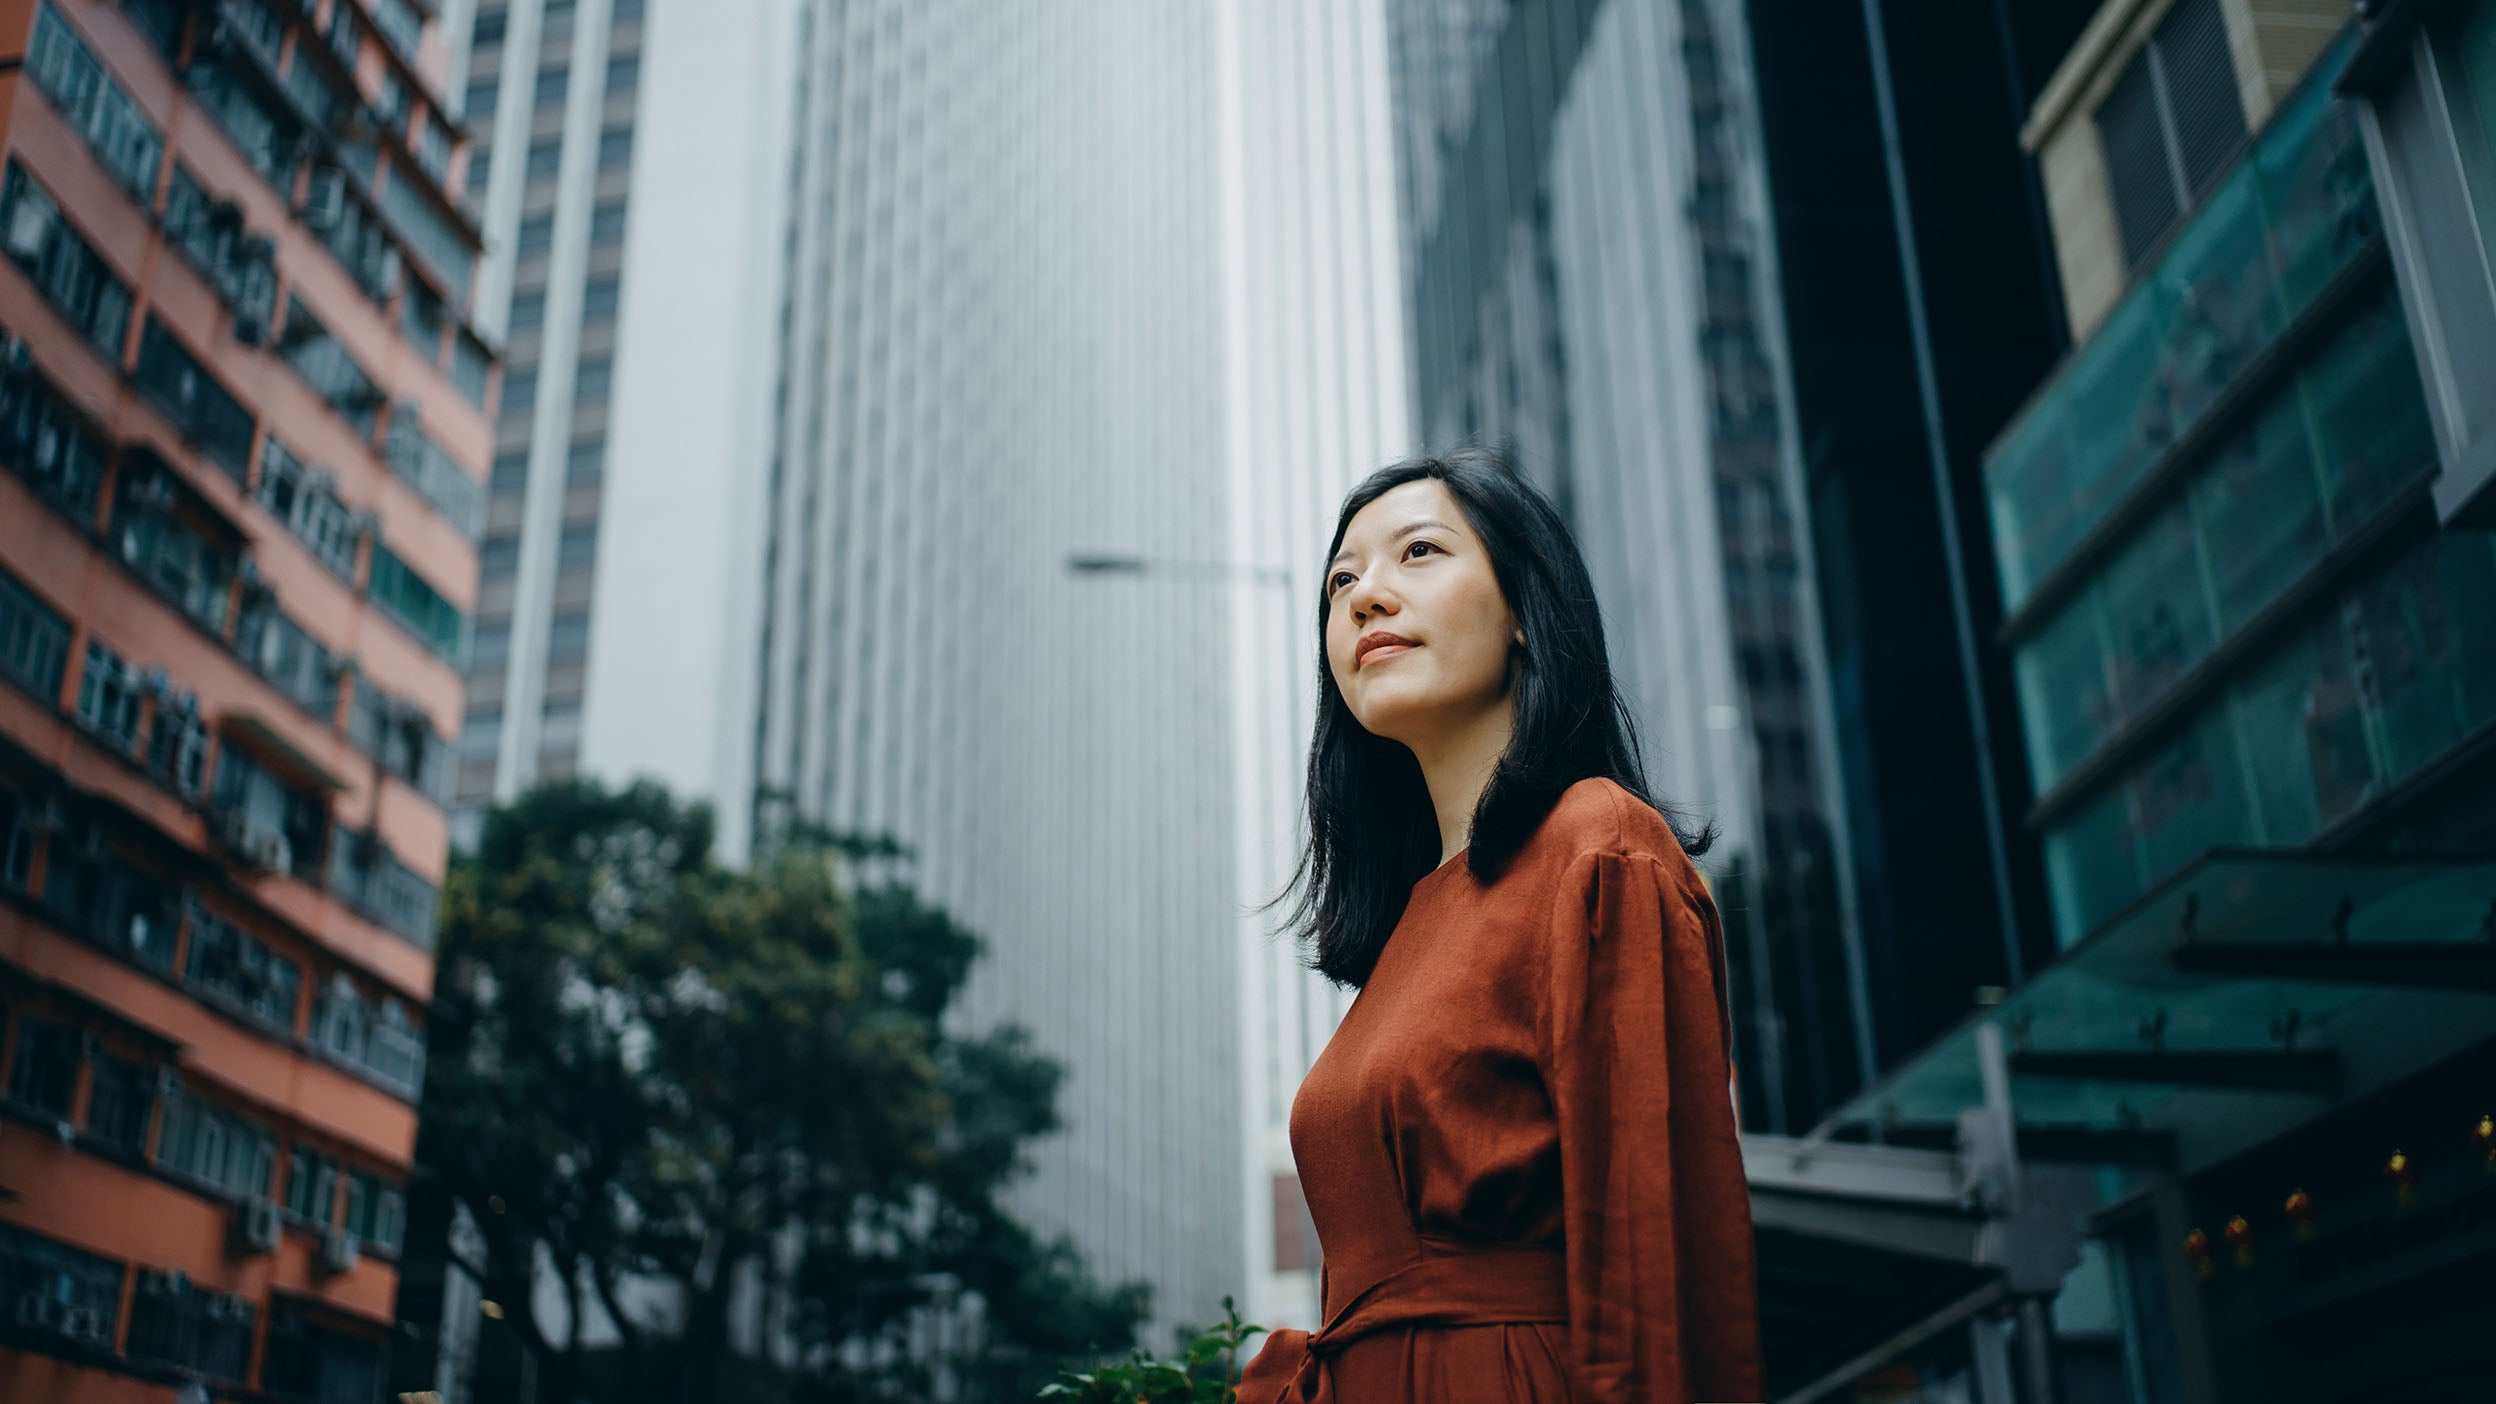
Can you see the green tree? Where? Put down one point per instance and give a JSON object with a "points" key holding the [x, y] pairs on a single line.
{"points": [[648, 1066]]}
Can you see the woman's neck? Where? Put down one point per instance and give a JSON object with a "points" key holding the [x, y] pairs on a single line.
{"points": [[1458, 766]]}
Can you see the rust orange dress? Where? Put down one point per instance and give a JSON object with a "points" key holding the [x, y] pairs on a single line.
{"points": [[1518, 1148]]}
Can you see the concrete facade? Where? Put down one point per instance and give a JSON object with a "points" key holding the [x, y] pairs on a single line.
{"points": [[240, 413]]}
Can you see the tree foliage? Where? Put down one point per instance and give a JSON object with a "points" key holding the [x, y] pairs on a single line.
{"points": [[649, 1068]]}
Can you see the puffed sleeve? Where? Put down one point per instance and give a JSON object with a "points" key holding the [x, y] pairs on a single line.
{"points": [[1663, 1304]]}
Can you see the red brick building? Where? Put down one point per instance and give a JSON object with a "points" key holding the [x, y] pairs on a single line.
{"points": [[242, 437]]}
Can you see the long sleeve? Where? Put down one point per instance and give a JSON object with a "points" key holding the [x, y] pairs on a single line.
{"points": [[1656, 1214]]}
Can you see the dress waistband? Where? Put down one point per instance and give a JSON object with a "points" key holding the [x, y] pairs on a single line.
{"points": [[1478, 1287]]}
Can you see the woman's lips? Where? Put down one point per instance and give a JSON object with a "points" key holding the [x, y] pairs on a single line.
{"points": [[1386, 651]]}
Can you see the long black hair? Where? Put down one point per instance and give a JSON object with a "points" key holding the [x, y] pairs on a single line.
{"points": [[1372, 832]]}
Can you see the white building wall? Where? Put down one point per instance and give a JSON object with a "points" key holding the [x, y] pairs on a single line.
{"points": [[1316, 401], [1004, 345]]}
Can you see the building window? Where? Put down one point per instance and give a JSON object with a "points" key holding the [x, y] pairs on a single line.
{"points": [[45, 1075], [437, 477], [606, 224], [561, 729], [261, 128], [94, 105], [156, 538], [615, 148], [49, 446], [586, 462], [381, 1044], [324, 364], [96, 897], [577, 549], [550, 86], [406, 597], [599, 298], [623, 74], [376, 883], [67, 1294], [211, 419], [376, 1211], [511, 473], [592, 381], [289, 658], [110, 698], [239, 970], [537, 235], [545, 158], [528, 312], [194, 1331], [497, 559], [309, 1362], [470, 365], [279, 826], [69, 274], [216, 1147], [2170, 124], [306, 500], [120, 1095], [519, 392], [177, 743], [311, 1186], [567, 639], [34, 643]]}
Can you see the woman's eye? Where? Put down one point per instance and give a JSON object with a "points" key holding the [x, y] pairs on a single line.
{"points": [[1419, 546], [1338, 580]]}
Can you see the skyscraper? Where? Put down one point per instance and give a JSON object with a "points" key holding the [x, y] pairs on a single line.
{"points": [[240, 419], [1592, 285], [1002, 350], [1315, 399], [632, 168]]}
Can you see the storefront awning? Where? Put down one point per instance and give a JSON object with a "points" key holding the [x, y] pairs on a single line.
{"points": [[2244, 996]]}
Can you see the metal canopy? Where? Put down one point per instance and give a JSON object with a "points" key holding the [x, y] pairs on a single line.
{"points": [[2249, 993]]}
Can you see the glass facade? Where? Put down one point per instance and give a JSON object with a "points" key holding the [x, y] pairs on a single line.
{"points": [[2239, 627], [2260, 251]]}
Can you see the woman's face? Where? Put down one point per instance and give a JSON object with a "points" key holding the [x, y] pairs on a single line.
{"points": [[1417, 631]]}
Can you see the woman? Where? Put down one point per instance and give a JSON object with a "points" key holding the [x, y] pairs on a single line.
{"points": [[1519, 1146]]}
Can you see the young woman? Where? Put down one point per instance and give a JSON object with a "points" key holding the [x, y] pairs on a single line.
{"points": [[1519, 1146]]}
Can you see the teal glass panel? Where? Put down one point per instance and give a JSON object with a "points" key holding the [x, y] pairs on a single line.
{"points": [[2259, 507], [2320, 197], [2157, 613], [2066, 690], [2221, 307], [2093, 863], [2369, 413], [2189, 797]]}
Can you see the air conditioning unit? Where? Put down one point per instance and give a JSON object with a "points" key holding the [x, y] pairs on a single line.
{"points": [[38, 1310], [163, 1282], [226, 1307], [87, 1324], [325, 202], [259, 844], [29, 228], [256, 1227], [340, 1251], [385, 268], [154, 492]]}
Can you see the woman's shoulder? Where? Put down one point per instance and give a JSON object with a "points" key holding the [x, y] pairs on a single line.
{"points": [[1600, 816]]}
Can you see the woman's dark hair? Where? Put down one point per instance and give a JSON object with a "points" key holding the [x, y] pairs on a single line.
{"points": [[1372, 832]]}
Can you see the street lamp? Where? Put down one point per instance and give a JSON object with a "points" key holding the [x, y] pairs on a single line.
{"points": [[1116, 563]]}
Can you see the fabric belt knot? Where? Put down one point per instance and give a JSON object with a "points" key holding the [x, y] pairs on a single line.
{"points": [[1479, 1287]]}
